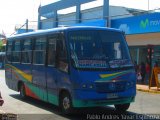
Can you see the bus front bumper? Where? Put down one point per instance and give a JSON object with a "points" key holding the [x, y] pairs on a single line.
{"points": [[92, 98], [96, 103]]}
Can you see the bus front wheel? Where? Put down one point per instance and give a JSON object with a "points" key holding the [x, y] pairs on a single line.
{"points": [[122, 107], [66, 103], [22, 91]]}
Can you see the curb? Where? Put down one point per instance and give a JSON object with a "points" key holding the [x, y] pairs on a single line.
{"points": [[148, 90]]}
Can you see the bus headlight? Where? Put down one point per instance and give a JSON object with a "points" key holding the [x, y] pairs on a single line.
{"points": [[91, 86], [129, 84], [84, 86], [87, 86]]}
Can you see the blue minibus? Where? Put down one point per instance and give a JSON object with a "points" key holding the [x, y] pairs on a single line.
{"points": [[72, 67]]}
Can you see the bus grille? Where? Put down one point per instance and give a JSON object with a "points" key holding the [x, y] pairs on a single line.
{"points": [[117, 86]]}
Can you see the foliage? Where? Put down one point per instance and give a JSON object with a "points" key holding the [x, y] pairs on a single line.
{"points": [[2, 48]]}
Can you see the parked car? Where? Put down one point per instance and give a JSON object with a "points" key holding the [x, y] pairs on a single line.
{"points": [[1, 100]]}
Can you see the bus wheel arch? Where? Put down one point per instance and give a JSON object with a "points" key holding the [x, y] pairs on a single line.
{"points": [[65, 101], [21, 89]]}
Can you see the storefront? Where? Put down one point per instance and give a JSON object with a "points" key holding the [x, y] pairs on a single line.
{"points": [[143, 36]]}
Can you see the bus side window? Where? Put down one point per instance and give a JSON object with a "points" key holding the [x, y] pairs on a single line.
{"points": [[61, 54], [9, 52], [27, 51], [39, 52], [51, 51], [16, 54]]}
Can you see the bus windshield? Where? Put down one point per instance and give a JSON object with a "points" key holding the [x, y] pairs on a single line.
{"points": [[98, 49]]}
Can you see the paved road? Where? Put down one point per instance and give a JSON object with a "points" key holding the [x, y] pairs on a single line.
{"points": [[31, 109]]}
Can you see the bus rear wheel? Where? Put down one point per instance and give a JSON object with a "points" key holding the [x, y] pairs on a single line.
{"points": [[66, 103], [122, 107], [22, 91]]}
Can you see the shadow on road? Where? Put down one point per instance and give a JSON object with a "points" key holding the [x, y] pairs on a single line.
{"points": [[38, 103], [101, 113]]}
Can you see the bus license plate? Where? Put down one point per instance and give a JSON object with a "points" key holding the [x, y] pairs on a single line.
{"points": [[112, 95]]}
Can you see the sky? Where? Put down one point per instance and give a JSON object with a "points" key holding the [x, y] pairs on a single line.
{"points": [[15, 12]]}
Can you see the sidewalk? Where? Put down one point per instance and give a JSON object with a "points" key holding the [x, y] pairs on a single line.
{"points": [[145, 88]]}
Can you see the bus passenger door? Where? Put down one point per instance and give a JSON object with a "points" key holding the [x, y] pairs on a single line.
{"points": [[51, 71], [62, 65], [57, 68]]}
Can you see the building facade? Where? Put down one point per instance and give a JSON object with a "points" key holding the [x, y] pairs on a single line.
{"points": [[143, 36], [48, 16], [142, 29]]}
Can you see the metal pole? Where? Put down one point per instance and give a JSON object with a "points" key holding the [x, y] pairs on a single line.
{"points": [[148, 5], [39, 17], [106, 12], [26, 25]]}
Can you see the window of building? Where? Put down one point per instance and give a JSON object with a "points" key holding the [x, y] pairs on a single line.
{"points": [[27, 51], [39, 52]]}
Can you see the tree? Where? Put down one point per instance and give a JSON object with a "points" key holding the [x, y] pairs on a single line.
{"points": [[2, 48]]}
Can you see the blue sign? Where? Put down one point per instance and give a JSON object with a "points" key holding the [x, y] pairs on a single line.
{"points": [[138, 24], [100, 23], [20, 31]]}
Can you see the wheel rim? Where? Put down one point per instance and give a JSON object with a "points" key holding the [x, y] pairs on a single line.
{"points": [[66, 103]]}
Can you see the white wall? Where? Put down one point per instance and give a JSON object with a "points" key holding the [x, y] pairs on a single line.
{"points": [[87, 15]]}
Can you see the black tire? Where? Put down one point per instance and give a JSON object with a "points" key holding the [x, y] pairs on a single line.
{"points": [[22, 91], [66, 103], [122, 107]]}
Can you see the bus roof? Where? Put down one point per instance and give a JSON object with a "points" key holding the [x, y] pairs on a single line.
{"points": [[61, 29]]}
